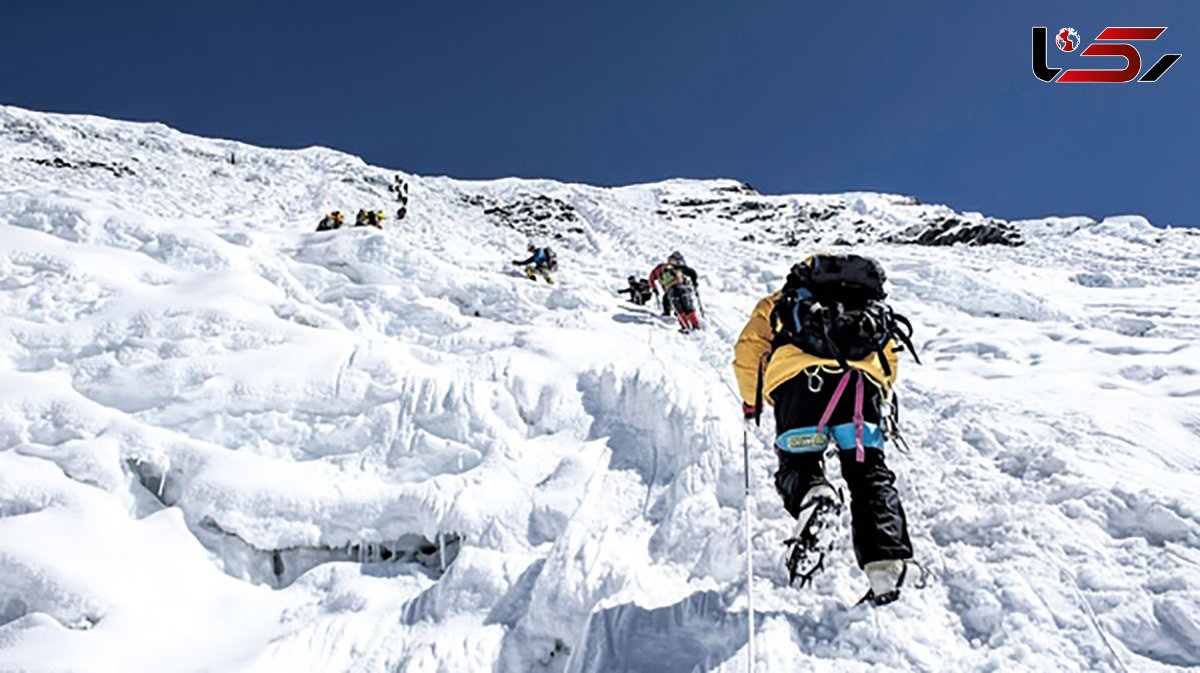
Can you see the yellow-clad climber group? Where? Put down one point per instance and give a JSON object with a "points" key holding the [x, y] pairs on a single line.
{"points": [[369, 217]]}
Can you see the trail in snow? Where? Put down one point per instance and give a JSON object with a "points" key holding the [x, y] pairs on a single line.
{"points": [[207, 409]]}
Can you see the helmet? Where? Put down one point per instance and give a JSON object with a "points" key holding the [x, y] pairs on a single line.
{"points": [[531, 247], [676, 257], [632, 280]]}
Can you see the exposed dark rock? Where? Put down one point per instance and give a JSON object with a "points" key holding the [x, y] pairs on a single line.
{"points": [[695, 203], [118, 170], [734, 210], [949, 230], [739, 188], [746, 206], [532, 215]]}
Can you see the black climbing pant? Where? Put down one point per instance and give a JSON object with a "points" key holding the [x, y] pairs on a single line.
{"points": [[877, 517]]}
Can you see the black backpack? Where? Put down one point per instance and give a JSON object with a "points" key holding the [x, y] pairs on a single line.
{"points": [[684, 299], [832, 306]]}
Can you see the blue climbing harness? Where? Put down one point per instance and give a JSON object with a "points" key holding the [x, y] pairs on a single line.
{"points": [[857, 435]]}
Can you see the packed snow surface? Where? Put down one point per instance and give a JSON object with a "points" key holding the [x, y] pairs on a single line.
{"points": [[229, 443]]}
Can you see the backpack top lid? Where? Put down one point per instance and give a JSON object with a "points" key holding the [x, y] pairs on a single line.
{"points": [[846, 279], [832, 306]]}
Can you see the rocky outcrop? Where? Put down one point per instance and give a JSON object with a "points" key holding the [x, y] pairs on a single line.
{"points": [[532, 215], [953, 229]]}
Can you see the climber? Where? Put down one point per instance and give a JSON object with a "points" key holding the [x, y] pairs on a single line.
{"points": [[823, 352], [400, 189], [369, 218], [332, 221], [680, 288], [542, 261], [638, 290]]}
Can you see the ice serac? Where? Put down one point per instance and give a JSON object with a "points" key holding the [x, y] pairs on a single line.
{"points": [[386, 450]]}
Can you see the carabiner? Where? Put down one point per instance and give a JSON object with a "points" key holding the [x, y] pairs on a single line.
{"points": [[815, 382]]}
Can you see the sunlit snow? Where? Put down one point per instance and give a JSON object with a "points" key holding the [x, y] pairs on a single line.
{"points": [[230, 443]]}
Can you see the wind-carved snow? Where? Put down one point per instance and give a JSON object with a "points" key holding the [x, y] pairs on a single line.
{"points": [[388, 451]]}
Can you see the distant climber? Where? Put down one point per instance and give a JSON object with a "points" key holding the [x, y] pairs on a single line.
{"points": [[332, 221], [669, 274], [369, 218], [679, 283], [542, 261], [400, 189], [638, 290], [823, 351]]}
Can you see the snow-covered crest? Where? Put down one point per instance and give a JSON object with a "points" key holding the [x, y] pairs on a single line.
{"points": [[208, 409]]}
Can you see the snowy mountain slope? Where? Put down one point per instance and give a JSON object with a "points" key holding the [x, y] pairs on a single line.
{"points": [[230, 443]]}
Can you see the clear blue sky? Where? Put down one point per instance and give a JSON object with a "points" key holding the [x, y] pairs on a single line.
{"points": [[934, 99]]}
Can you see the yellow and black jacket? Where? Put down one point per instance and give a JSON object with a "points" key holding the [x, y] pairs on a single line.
{"points": [[753, 357]]}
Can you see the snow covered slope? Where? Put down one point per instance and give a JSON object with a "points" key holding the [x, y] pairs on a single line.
{"points": [[230, 443]]}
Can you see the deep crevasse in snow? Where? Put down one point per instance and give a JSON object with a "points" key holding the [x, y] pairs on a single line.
{"points": [[230, 443]]}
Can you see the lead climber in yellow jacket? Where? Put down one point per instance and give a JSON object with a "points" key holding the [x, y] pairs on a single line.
{"points": [[826, 333]]}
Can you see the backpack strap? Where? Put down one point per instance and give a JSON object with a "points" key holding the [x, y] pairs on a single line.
{"points": [[779, 331], [859, 420], [859, 394], [883, 363], [833, 400], [758, 394], [837, 354]]}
